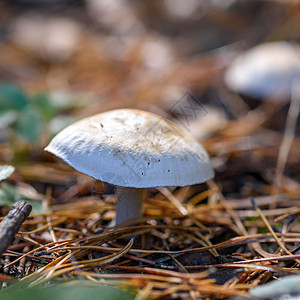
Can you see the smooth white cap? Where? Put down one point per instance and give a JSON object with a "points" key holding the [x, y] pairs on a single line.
{"points": [[267, 70], [133, 148]]}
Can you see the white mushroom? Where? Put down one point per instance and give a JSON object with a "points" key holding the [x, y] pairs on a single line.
{"points": [[265, 71], [133, 150]]}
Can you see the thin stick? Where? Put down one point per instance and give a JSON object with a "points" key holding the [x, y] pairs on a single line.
{"points": [[288, 137], [179, 206], [52, 233], [11, 223]]}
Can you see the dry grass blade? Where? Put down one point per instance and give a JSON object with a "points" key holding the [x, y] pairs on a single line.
{"points": [[57, 269], [173, 200], [288, 137]]}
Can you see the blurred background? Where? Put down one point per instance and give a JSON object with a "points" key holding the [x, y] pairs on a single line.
{"points": [[115, 53], [62, 60]]}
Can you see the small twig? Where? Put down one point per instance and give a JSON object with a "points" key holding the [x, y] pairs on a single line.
{"points": [[181, 209], [11, 223], [288, 138], [52, 233]]}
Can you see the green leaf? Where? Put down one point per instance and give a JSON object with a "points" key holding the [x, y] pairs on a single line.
{"points": [[12, 97], [6, 171], [29, 126], [75, 292], [42, 102], [10, 194]]}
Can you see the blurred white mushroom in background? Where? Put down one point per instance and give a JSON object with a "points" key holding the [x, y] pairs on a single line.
{"points": [[157, 53], [53, 38], [265, 71], [181, 9], [214, 120], [200, 120], [116, 15]]}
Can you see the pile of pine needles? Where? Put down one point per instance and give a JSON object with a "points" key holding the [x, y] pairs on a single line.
{"points": [[193, 242]]}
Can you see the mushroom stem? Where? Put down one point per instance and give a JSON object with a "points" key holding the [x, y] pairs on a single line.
{"points": [[129, 204]]}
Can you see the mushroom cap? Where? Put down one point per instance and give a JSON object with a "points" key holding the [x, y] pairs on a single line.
{"points": [[267, 70], [132, 148]]}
